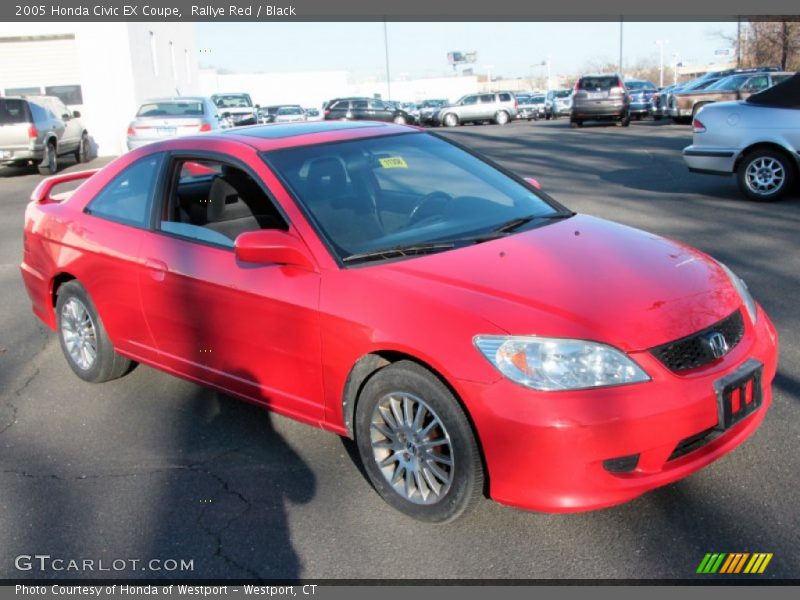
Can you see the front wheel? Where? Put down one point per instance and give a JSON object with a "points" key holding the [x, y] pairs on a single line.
{"points": [[764, 175], [417, 445], [501, 117], [82, 151], [83, 338]]}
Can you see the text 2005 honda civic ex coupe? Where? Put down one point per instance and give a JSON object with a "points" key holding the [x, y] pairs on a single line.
{"points": [[382, 283]]}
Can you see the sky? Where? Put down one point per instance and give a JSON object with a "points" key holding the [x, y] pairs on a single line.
{"points": [[420, 49]]}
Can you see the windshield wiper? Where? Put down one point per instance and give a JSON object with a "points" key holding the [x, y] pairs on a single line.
{"points": [[395, 251], [514, 224]]}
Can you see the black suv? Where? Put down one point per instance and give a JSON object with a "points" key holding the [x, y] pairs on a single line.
{"points": [[365, 109], [600, 98]]}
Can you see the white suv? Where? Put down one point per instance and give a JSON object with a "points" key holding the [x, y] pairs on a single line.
{"points": [[498, 107]]}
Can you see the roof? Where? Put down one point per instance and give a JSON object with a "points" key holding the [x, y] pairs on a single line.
{"points": [[284, 135]]}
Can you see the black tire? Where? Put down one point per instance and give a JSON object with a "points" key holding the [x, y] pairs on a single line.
{"points": [[501, 117], [107, 364], [656, 117], [575, 123], [49, 164], [450, 120], [747, 174], [406, 379], [82, 151], [625, 121]]}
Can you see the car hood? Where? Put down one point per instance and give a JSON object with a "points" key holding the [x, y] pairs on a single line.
{"points": [[582, 277]]}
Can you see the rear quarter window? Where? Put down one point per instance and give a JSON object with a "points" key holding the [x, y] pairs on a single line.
{"points": [[127, 198], [505, 97]]}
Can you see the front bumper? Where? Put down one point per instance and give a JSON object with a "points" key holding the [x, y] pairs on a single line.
{"points": [[704, 159], [640, 108], [545, 451]]}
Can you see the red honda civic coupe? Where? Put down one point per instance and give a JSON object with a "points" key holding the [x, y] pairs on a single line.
{"points": [[470, 333]]}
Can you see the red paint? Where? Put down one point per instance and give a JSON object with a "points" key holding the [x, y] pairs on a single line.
{"points": [[287, 335]]}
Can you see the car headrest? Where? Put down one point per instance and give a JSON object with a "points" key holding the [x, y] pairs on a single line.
{"points": [[220, 194], [327, 179]]}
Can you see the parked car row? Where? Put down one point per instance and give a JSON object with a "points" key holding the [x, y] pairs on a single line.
{"points": [[680, 102]]}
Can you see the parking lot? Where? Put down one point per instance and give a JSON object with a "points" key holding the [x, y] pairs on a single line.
{"points": [[152, 467]]}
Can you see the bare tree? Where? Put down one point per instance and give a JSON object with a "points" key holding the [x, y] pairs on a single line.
{"points": [[768, 43]]}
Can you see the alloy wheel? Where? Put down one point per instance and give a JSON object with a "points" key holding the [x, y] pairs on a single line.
{"points": [[412, 448], [79, 333], [765, 175]]}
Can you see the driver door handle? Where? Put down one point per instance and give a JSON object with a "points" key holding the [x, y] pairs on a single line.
{"points": [[156, 268]]}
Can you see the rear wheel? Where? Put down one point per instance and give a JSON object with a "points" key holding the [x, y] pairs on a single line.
{"points": [[83, 338], [400, 120], [417, 445], [765, 175], [501, 117], [625, 121], [575, 123], [49, 164]]}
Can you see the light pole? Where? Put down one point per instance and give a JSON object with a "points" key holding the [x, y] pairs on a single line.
{"points": [[620, 47], [661, 44], [386, 49], [675, 62], [544, 63]]}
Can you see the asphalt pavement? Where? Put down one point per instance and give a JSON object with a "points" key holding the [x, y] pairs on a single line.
{"points": [[152, 467]]}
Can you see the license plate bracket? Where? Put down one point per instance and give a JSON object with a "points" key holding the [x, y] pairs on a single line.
{"points": [[739, 394]]}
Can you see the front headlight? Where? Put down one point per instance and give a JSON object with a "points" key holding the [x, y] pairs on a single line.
{"points": [[549, 364], [744, 292]]}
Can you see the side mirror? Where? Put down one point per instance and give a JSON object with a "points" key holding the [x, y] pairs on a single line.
{"points": [[226, 114], [534, 182], [258, 106], [272, 246], [76, 114], [65, 117]]}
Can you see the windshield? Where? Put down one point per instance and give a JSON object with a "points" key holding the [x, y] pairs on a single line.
{"points": [[290, 110], [403, 190], [433, 103], [171, 109], [562, 93], [233, 101], [729, 84]]}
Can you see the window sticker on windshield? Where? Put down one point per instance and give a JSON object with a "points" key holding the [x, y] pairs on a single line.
{"points": [[393, 162]]}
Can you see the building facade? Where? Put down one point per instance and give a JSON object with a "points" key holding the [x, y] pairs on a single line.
{"points": [[104, 70]]}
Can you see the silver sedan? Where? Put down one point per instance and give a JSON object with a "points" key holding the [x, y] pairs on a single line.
{"points": [[757, 139], [163, 118]]}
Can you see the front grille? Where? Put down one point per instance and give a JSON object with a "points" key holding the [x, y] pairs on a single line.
{"points": [[695, 350]]}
